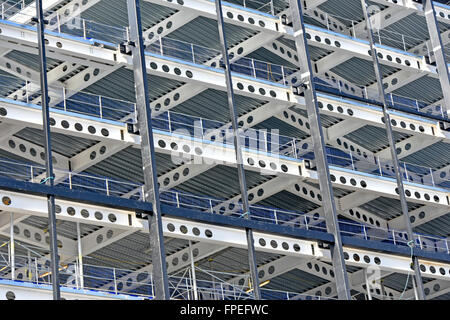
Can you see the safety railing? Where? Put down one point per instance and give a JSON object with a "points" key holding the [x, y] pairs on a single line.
{"points": [[118, 281], [197, 54], [200, 55], [111, 187], [357, 30], [221, 134], [301, 220], [371, 96], [68, 23], [268, 6], [9, 8]]}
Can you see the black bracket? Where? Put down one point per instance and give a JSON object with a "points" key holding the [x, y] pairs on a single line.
{"points": [[34, 19]]}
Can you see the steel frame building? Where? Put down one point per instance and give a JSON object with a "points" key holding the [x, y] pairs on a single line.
{"points": [[328, 117]]}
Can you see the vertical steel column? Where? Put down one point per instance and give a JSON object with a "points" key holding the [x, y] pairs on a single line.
{"points": [[151, 189], [80, 256], [12, 249], [438, 49], [238, 151], [48, 152], [391, 141], [194, 276], [323, 172]]}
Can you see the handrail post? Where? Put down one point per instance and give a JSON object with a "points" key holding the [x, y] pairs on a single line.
{"points": [[64, 98], [107, 187], [84, 29], [432, 178], [168, 121], [192, 50], [393, 237], [58, 22], [115, 280], [253, 67], [379, 166], [100, 106], [406, 171], [351, 159]]}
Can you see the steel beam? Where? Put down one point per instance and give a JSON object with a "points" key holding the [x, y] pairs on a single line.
{"points": [[136, 45]]}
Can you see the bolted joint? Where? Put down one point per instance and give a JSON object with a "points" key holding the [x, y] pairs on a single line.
{"points": [[126, 47], [323, 245], [34, 19], [310, 165], [133, 128]]}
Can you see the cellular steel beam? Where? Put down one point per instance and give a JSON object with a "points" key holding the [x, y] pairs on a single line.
{"points": [[281, 94], [11, 290], [223, 235], [218, 154]]}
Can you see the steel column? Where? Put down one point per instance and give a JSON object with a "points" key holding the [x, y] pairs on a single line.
{"points": [[48, 152], [438, 49], [391, 141], [12, 249], [238, 151], [151, 189], [342, 284], [80, 256]]}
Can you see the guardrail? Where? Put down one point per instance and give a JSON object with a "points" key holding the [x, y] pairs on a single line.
{"points": [[36, 269], [112, 187]]}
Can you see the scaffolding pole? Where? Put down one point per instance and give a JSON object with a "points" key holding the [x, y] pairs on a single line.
{"points": [[48, 152], [390, 135], [151, 189], [238, 151], [323, 171]]}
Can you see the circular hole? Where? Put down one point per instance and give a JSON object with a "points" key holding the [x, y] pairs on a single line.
{"points": [[10, 295], [6, 201], [65, 124], [262, 242], [99, 238], [84, 213], [98, 215]]}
